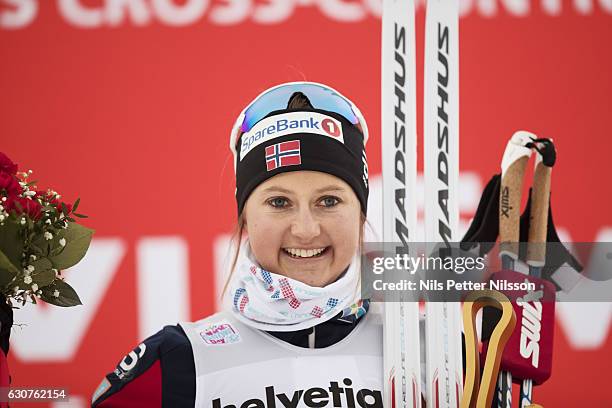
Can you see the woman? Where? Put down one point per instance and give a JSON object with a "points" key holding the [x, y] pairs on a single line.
{"points": [[295, 331]]}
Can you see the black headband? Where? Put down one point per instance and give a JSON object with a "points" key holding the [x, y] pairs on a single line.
{"points": [[305, 139]]}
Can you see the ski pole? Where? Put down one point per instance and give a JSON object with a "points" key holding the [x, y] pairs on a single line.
{"points": [[514, 163], [538, 225]]}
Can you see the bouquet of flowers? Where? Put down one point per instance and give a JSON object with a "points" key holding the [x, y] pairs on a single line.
{"points": [[39, 237]]}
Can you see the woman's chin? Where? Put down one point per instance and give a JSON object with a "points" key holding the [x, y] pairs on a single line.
{"points": [[312, 271]]}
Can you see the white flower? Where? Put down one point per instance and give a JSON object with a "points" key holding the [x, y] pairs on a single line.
{"points": [[27, 280], [23, 221], [3, 199], [29, 193], [48, 235], [62, 242], [16, 289], [33, 257], [48, 221], [1, 217], [56, 293], [30, 268], [34, 287]]}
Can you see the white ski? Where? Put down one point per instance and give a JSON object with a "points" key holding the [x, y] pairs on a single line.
{"points": [[441, 174], [402, 367]]}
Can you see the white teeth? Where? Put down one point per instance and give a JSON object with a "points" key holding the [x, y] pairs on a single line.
{"points": [[304, 253]]}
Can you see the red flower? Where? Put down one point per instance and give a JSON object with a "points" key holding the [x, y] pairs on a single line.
{"points": [[57, 203], [22, 205], [7, 165], [9, 183], [68, 208]]}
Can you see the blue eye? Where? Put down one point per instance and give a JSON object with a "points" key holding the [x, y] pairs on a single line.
{"points": [[278, 202], [329, 201]]}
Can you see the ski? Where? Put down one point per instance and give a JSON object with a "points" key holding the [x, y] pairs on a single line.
{"points": [[443, 322], [401, 360]]}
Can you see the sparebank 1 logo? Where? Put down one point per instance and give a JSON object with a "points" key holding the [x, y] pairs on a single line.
{"points": [[331, 127], [287, 124]]}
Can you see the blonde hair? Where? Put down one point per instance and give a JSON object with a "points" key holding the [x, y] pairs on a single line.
{"points": [[236, 243]]}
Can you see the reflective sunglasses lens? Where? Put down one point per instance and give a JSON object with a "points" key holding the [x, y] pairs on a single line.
{"points": [[276, 99]]}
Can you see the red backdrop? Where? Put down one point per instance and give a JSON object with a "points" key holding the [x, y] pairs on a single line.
{"points": [[128, 105]]}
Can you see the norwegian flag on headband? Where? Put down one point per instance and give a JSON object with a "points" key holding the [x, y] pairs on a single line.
{"points": [[283, 154]]}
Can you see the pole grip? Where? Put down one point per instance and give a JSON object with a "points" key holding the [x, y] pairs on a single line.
{"points": [[538, 216], [510, 207]]}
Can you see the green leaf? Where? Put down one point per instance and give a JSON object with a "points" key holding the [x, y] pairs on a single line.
{"points": [[7, 270], [36, 250], [57, 250], [41, 264], [76, 204], [39, 244], [11, 243], [5, 263], [78, 239], [79, 215], [67, 295], [44, 278]]}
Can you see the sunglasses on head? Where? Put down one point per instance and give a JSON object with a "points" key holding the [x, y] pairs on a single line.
{"points": [[276, 98]]}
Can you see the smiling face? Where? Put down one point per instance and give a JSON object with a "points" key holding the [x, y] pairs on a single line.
{"points": [[304, 225]]}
